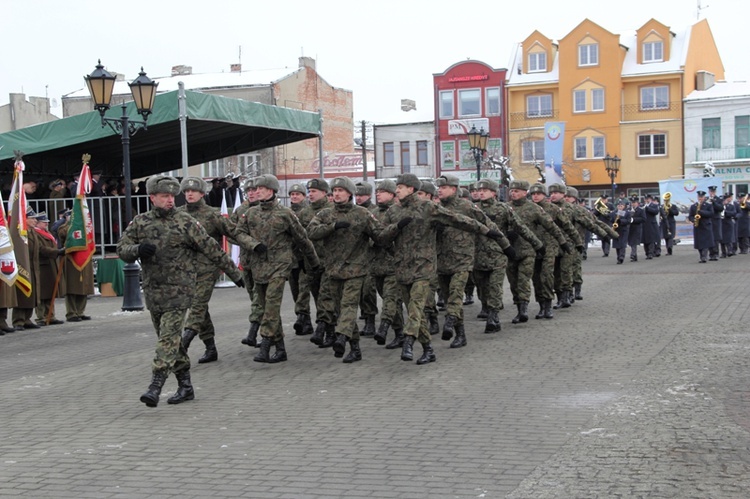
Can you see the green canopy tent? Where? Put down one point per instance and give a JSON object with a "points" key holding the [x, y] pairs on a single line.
{"points": [[217, 127]]}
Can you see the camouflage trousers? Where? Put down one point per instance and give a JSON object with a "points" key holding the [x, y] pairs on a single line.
{"points": [[577, 268], [256, 311], [564, 271], [75, 305], [368, 300], [490, 287], [388, 289], [43, 309], [346, 293], [452, 287], [544, 277], [415, 296], [309, 284], [269, 296], [430, 306], [199, 319], [294, 280], [328, 306], [170, 355], [519, 273]]}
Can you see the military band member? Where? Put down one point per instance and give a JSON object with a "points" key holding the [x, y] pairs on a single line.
{"points": [[565, 261], [728, 234], [651, 231], [635, 235], [621, 219], [668, 211], [701, 215], [718, 204], [743, 224], [602, 210]]}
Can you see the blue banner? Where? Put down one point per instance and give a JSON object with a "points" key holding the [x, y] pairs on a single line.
{"points": [[684, 192], [554, 136]]}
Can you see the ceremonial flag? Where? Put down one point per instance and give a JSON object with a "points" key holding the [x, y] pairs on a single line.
{"points": [[225, 214], [18, 229], [554, 135], [235, 248], [8, 267], [79, 243]]}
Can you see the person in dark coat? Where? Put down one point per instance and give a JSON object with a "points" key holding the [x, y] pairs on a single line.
{"points": [[668, 223], [651, 235], [718, 204], [621, 219], [635, 234], [701, 215], [603, 214], [728, 234], [743, 224]]}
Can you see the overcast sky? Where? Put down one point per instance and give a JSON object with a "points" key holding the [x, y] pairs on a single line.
{"points": [[383, 51]]}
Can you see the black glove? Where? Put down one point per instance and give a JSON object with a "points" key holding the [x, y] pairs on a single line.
{"points": [[580, 248], [510, 252], [301, 265], [540, 252], [146, 250], [403, 223], [512, 236], [61, 252], [495, 234], [240, 283], [567, 247], [260, 248], [341, 224]]}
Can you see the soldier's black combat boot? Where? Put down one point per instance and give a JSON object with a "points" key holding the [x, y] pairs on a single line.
{"points": [[548, 309], [369, 329], [469, 299], [211, 354], [280, 354], [184, 389], [559, 303], [320, 331], [187, 337], [307, 327], [566, 303], [428, 354], [299, 326], [339, 346], [265, 347], [252, 335], [579, 296], [330, 336], [355, 354], [434, 325], [398, 340], [517, 318], [571, 297], [523, 312], [540, 314], [483, 314], [382, 333], [449, 327], [493, 322], [460, 339], [407, 351], [151, 397]]}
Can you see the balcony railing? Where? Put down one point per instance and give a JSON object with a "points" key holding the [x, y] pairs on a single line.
{"points": [[634, 112], [722, 154], [523, 120]]}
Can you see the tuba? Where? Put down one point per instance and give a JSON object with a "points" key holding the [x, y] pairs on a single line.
{"points": [[601, 207]]}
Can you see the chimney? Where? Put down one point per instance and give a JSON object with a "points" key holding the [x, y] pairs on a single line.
{"points": [[704, 80], [235, 68], [181, 69], [308, 62]]}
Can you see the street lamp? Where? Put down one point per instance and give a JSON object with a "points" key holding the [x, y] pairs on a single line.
{"points": [[612, 165], [101, 85], [478, 145]]}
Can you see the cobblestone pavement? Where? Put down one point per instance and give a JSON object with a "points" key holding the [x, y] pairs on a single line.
{"points": [[640, 390]]}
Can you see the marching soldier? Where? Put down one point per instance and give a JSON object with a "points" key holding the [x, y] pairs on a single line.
{"points": [[428, 192], [166, 241], [701, 215], [297, 202], [621, 220], [668, 224], [565, 262], [368, 302]]}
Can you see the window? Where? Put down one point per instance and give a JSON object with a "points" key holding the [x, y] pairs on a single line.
{"points": [[250, 164], [214, 168], [446, 104], [422, 152], [579, 101], [711, 133], [532, 150], [598, 143], [537, 62], [580, 147], [405, 163], [588, 55], [492, 100], [652, 144], [388, 159], [538, 105], [597, 99], [468, 103], [653, 52], [654, 98]]}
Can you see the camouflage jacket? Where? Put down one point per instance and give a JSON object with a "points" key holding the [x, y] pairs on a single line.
{"points": [[305, 217], [347, 250], [233, 219], [169, 275], [584, 220], [564, 219], [415, 244], [382, 260], [536, 219], [570, 234], [512, 226], [278, 228]]}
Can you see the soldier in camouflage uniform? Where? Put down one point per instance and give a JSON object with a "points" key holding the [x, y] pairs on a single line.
{"points": [[368, 302], [271, 230], [346, 230], [297, 202], [554, 242], [383, 273], [428, 192], [166, 241], [415, 253], [199, 321], [565, 263], [490, 266]]}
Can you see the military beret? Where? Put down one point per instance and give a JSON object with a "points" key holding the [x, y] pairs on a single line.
{"points": [[451, 180], [571, 192], [522, 185], [364, 189], [487, 183], [428, 188], [538, 189], [556, 188], [162, 184], [409, 180], [319, 184], [387, 185], [344, 183], [297, 188], [268, 181], [194, 184]]}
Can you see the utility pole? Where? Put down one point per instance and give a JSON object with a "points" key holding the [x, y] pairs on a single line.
{"points": [[364, 152]]}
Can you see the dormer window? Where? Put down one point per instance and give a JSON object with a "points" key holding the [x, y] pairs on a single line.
{"points": [[653, 52], [588, 54], [537, 62]]}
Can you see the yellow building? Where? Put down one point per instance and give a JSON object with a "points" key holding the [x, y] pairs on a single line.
{"points": [[617, 94]]}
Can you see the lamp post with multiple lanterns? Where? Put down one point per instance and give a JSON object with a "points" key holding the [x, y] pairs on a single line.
{"points": [[478, 146], [612, 165]]}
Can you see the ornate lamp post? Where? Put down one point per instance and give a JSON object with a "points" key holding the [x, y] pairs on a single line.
{"points": [[612, 165], [101, 85], [478, 145]]}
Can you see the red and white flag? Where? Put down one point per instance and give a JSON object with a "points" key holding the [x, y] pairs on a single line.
{"points": [[8, 267], [235, 248], [18, 230]]}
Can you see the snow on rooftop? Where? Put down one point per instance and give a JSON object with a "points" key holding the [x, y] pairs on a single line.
{"points": [[721, 90]]}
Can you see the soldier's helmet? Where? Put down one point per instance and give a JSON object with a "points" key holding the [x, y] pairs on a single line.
{"points": [[537, 188], [387, 185], [249, 184], [344, 183], [268, 181], [297, 188], [194, 184], [162, 184]]}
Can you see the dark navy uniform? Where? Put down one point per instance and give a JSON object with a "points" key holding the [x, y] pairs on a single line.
{"points": [[703, 233]]}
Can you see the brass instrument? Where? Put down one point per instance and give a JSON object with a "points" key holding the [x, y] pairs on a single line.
{"points": [[667, 197], [615, 225], [697, 217], [744, 202], [601, 207]]}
